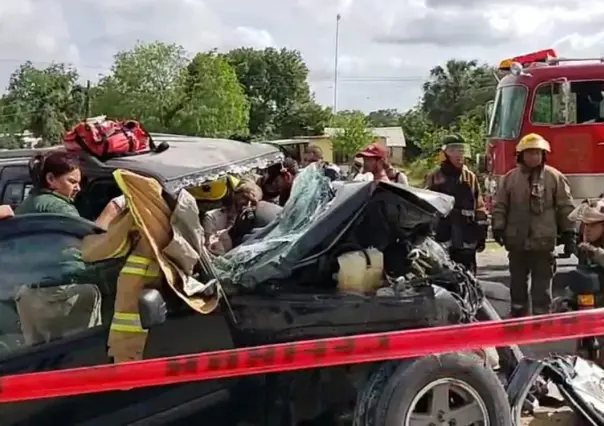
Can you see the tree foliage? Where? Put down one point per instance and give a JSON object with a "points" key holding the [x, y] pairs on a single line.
{"points": [[352, 135], [212, 102], [43, 101], [145, 83], [276, 84], [247, 94]]}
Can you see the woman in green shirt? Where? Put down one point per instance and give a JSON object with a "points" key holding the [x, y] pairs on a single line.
{"points": [[48, 311], [56, 179]]}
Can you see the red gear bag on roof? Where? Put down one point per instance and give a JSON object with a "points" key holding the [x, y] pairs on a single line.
{"points": [[108, 138]]}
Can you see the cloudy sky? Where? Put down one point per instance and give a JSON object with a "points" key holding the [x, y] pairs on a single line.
{"points": [[386, 46]]}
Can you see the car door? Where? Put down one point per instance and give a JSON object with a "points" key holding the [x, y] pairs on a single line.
{"points": [[35, 249]]}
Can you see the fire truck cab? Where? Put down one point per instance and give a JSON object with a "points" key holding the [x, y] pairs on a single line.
{"points": [[562, 100]]}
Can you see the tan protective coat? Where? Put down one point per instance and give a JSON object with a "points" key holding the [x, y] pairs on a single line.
{"points": [[160, 244]]}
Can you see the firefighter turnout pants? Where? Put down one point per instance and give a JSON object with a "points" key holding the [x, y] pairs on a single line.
{"points": [[127, 338], [541, 267]]}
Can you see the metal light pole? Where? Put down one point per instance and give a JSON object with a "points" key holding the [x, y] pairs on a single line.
{"points": [[335, 71]]}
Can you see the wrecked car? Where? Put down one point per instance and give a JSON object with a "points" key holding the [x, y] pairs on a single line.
{"points": [[579, 382], [294, 279]]}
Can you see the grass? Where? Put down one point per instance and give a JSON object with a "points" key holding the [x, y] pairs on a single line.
{"points": [[416, 171]]}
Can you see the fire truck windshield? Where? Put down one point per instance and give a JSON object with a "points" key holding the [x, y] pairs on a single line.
{"points": [[506, 117]]}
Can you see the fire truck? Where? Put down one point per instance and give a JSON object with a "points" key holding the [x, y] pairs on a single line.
{"points": [[562, 100]]}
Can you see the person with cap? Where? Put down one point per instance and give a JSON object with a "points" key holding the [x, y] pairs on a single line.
{"points": [[374, 162], [530, 213], [464, 231]]}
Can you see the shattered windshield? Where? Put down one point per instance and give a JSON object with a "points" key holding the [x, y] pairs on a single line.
{"points": [[309, 198], [508, 109]]}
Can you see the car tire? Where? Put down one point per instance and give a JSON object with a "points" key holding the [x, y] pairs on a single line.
{"points": [[469, 385], [369, 396]]}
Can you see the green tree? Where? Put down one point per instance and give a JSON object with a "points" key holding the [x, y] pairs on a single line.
{"points": [[418, 130], [44, 101], [458, 88], [146, 83], [303, 119], [384, 118], [352, 137], [275, 82], [213, 103], [343, 117]]}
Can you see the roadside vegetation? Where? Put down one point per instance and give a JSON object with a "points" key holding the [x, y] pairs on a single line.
{"points": [[246, 94]]}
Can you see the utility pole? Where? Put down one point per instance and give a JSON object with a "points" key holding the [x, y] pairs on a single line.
{"points": [[335, 71], [87, 101]]}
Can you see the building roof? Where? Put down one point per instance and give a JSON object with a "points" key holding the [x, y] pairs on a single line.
{"points": [[394, 135]]}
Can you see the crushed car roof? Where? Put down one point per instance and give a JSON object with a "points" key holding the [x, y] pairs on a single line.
{"points": [[189, 160]]}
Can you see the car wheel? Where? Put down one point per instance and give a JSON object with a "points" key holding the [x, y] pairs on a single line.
{"points": [[449, 390], [369, 396]]}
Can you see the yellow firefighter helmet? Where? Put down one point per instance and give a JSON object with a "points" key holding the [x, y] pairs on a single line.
{"points": [[215, 190], [533, 141]]}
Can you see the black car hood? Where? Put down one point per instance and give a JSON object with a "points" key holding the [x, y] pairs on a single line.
{"points": [[317, 213], [430, 201]]}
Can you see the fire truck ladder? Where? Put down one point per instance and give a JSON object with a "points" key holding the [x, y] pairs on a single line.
{"points": [[557, 61]]}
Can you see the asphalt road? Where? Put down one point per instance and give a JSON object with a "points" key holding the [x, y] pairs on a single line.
{"points": [[493, 266]]}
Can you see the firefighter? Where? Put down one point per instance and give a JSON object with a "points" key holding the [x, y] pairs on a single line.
{"points": [[464, 230], [591, 217], [530, 212]]}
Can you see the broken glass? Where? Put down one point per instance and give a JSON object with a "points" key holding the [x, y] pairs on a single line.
{"points": [[310, 196]]}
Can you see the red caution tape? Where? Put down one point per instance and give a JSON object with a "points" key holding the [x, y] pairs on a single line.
{"points": [[301, 355]]}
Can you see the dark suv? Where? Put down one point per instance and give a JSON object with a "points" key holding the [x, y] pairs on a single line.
{"points": [[281, 288]]}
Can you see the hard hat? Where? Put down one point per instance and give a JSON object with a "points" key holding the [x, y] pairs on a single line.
{"points": [[533, 141], [214, 190], [588, 212], [457, 142], [454, 140]]}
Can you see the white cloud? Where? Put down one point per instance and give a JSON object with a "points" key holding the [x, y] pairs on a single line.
{"points": [[419, 34]]}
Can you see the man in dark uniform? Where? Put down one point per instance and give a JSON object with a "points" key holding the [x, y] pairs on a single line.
{"points": [[464, 231]]}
